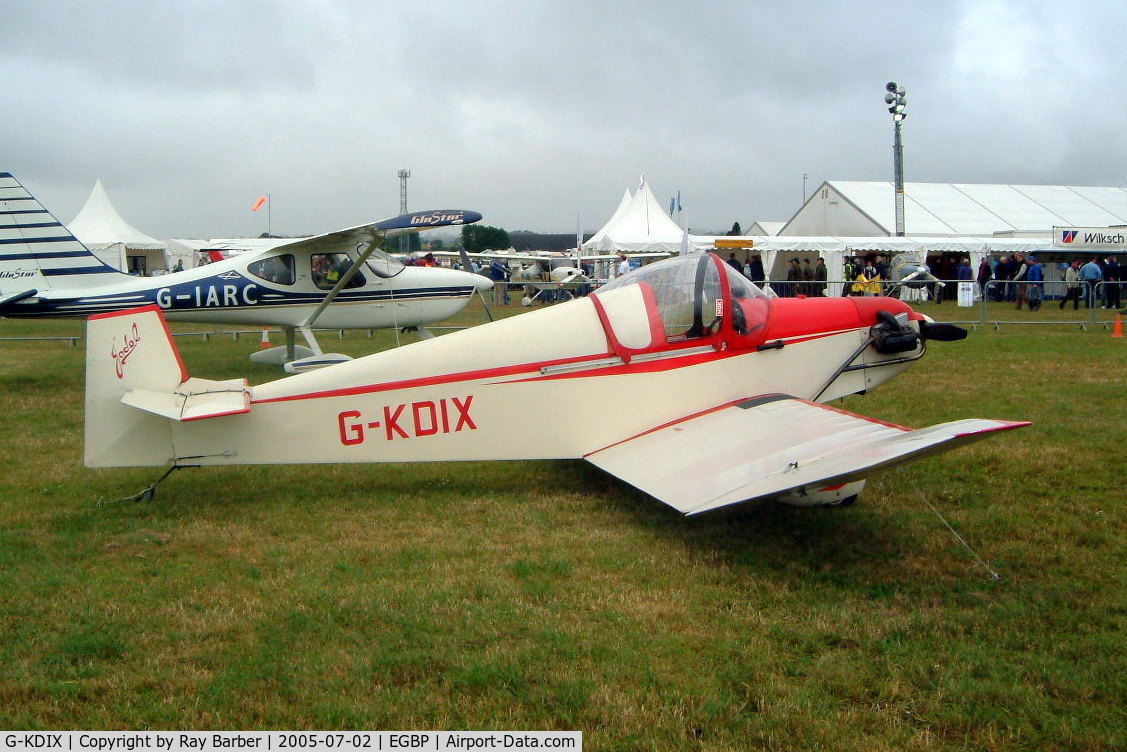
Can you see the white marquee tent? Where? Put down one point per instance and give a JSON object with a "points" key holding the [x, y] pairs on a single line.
{"points": [[101, 229], [639, 225], [853, 208]]}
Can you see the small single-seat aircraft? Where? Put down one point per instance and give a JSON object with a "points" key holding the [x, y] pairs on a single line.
{"points": [[908, 273], [340, 280], [565, 280], [682, 378]]}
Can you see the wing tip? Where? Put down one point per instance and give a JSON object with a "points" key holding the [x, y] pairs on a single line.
{"points": [[997, 426]]}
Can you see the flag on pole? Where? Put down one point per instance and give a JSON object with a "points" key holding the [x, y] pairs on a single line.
{"points": [[258, 204]]}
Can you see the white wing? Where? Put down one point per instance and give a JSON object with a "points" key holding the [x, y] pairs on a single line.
{"points": [[768, 446]]}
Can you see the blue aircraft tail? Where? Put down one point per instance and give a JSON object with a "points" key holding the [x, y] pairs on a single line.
{"points": [[37, 252]]}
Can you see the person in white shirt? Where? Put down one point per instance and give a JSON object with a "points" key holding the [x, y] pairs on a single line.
{"points": [[623, 265]]}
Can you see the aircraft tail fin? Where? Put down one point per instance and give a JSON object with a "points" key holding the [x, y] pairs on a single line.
{"points": [[38, 252], [137, 389]]}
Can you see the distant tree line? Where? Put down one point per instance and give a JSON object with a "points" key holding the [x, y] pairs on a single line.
{"points": [[478, 238]]}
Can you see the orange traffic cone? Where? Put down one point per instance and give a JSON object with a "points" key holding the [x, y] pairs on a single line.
{"points": [[1117, 330], [265, 339]]}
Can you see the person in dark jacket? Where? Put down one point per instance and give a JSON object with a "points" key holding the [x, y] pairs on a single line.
{"points": [[794, 279], [807, 278], [1113, 282], [756, 270], [985, 274]]}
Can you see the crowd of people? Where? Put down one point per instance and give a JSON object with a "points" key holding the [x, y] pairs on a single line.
{"points": [[1016, 278], [1013, 278], [1020, 279]]}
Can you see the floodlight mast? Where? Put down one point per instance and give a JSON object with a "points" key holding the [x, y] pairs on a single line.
{"points": [[403, 175], [895, 98]]}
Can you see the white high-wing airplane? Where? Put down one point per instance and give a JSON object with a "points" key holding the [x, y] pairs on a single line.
{"points": [[339, 280], [565, 279], [551, 271], [682, 378]]}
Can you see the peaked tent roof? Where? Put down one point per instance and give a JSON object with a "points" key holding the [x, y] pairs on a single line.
{"points": [[99, 224], [764, 227], [639, 225], [602, 233], [977, 209]]}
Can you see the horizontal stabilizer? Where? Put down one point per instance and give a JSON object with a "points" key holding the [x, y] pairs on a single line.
{"points": [[770, 446], [16, 297], [195, 399]]}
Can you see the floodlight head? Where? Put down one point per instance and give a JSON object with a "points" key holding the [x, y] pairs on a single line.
{"points": [[891, 87], [889, 98], [901, 91]]}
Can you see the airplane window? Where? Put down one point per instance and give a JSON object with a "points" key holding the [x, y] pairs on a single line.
{"points": [[679, 285], [276, 269], [688, 290], [383, 265], [328, 268]]}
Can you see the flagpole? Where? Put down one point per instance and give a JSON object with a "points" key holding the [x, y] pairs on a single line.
{"points": [[578, 240], [269, 215]]}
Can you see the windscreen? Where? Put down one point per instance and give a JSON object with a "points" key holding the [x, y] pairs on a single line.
{"points": [[688, 292], [383, 265], [677, 286]]}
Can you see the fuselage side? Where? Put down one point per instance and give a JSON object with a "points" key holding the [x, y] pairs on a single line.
{"points": [[610, 363], [227, 292]]}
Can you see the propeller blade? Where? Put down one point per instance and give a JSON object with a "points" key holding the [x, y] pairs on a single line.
{"points": [[942, 332]]}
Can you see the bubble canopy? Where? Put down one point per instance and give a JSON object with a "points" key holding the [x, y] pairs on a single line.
{"points": [[692, 296]]}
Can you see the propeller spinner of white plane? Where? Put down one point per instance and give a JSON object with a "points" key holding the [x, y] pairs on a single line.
{"points": [[337, 280]]}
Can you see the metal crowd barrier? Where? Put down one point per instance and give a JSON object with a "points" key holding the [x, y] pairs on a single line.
{"points": [[988, 299], [234, 334], [1091, 300]]}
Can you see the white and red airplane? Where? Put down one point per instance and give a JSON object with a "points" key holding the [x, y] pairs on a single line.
{"points": [[682, 378], [339, 280]]}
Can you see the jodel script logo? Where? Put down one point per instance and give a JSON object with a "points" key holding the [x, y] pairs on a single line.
{"points": [[121, 354]]}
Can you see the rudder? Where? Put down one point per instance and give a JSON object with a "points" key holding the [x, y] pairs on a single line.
{"points": [[37, 252], [125, 351]]}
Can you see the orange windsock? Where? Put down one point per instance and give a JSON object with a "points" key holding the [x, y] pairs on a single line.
{"points": [[258, 204]]}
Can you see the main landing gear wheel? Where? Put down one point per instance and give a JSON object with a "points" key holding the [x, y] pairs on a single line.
{"points": [[841, 495]]}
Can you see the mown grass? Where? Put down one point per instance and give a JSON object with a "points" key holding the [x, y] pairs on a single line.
{"points": [[549, 595]]}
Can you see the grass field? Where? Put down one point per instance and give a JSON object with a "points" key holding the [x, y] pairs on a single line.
{"points": [[547, 595]]}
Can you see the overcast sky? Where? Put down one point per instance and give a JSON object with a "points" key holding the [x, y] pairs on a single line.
{"points": [[537, 113]]}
